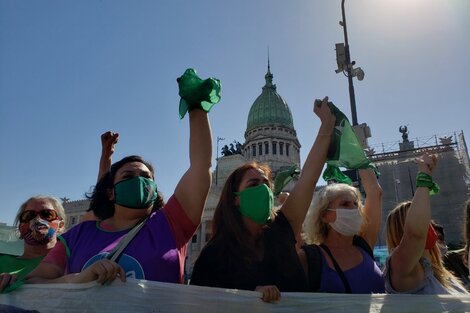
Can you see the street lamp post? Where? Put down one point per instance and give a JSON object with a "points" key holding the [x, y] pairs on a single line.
{"points": [[345, 65], [217, 159], [352, 97]]}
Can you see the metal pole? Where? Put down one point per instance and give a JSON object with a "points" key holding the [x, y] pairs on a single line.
{"points": [[217, 159], [352, 97], [411, 182]]}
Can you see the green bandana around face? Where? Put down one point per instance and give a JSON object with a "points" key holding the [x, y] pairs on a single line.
{"points": [[197, 93], [135, 193], [256, 203]]}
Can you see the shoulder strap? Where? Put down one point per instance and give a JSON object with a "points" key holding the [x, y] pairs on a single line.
{"points": [[338, 269], [362, 243], [119, 248], [314, 264]]}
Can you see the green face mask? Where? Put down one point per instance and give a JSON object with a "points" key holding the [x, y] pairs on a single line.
{"points": [[135, 193], [256, 203]]}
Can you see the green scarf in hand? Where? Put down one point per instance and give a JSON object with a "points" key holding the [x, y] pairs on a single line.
{"points": [[197, 93], [344, 151]]}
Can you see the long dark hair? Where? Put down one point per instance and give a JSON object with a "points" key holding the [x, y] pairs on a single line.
{"points": [[227, 224], [100, 204]]}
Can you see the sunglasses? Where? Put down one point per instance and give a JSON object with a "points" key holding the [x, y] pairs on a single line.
{"points": [[48, 215]]}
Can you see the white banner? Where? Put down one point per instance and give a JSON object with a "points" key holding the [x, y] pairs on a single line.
{"points": [[155, 297]]}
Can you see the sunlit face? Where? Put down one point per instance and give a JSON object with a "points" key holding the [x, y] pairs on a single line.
{"points": [[252, 178], [346, 200], [39, 209], [38, 219], [132, 169], [127, 171]]}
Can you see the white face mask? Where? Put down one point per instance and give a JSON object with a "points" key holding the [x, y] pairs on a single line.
{"points": [[348, 221]]}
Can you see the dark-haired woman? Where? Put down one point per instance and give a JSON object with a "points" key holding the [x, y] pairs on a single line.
{"points": [[252, 247], [123, 197]]}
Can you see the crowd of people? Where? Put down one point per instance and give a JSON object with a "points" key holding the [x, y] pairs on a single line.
{"points": [[311, 242]]}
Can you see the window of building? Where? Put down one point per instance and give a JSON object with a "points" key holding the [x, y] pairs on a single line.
{"points": [[281, 148], [253, 149], [287, 149], [260, 149], [194, 239], [266, 147], [274, 147]]}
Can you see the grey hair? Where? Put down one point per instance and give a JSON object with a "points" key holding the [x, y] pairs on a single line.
{"points": [[315, 230], [52, 200]]}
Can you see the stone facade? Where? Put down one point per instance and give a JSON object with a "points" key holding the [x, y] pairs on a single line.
{"points": [[274, 144], [398, 181], [74, 210]]}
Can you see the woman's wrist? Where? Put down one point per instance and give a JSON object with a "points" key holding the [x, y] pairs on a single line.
{"points": [[424, 179]]}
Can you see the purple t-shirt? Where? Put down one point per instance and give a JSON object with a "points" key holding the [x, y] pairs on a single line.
{"points": [[151, 255], [365, 278]]}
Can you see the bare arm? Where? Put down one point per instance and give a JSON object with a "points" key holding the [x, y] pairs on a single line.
{"points": [[103, 271], [298, 202], [108, 140], [405, 268], [372, 207], [193, 187], [46, 273]]}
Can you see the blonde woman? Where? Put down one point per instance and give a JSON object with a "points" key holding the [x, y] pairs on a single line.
{"points": [[40, 219], [415, 264], [340, 233]]}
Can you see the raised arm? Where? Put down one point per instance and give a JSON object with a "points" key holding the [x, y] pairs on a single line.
{"points": [[193, 187], [296, 206], [405, 268], [372, 207], [108, 140]]}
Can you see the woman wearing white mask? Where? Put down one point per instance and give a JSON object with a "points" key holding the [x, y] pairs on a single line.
{"points": [[340, 233]]}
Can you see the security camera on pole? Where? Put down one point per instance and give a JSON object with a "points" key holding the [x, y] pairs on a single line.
{"points": [[343, 59]]}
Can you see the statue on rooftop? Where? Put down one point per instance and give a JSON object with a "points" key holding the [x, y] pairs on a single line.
{"points": [[404, 130]]}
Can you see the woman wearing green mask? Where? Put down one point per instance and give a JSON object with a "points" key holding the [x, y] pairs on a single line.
{"points": [[123, 197], [253, 248]]}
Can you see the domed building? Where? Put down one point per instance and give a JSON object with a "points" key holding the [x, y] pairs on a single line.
{"points": [[270, 135]]}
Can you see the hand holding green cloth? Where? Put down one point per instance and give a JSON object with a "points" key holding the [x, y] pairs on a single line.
{"points": [[17, 284], [197, 93], [284, 177], [344, 151]]}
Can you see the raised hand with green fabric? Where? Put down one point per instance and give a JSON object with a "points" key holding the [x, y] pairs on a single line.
{"points": [[127, 195], [345, 150], [415, 262], [196, 92]]}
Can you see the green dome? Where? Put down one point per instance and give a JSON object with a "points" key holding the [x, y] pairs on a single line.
{"points": [[269, 108]]}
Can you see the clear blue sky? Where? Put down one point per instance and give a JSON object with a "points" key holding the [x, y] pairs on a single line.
{"points": [[70, 70]]}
